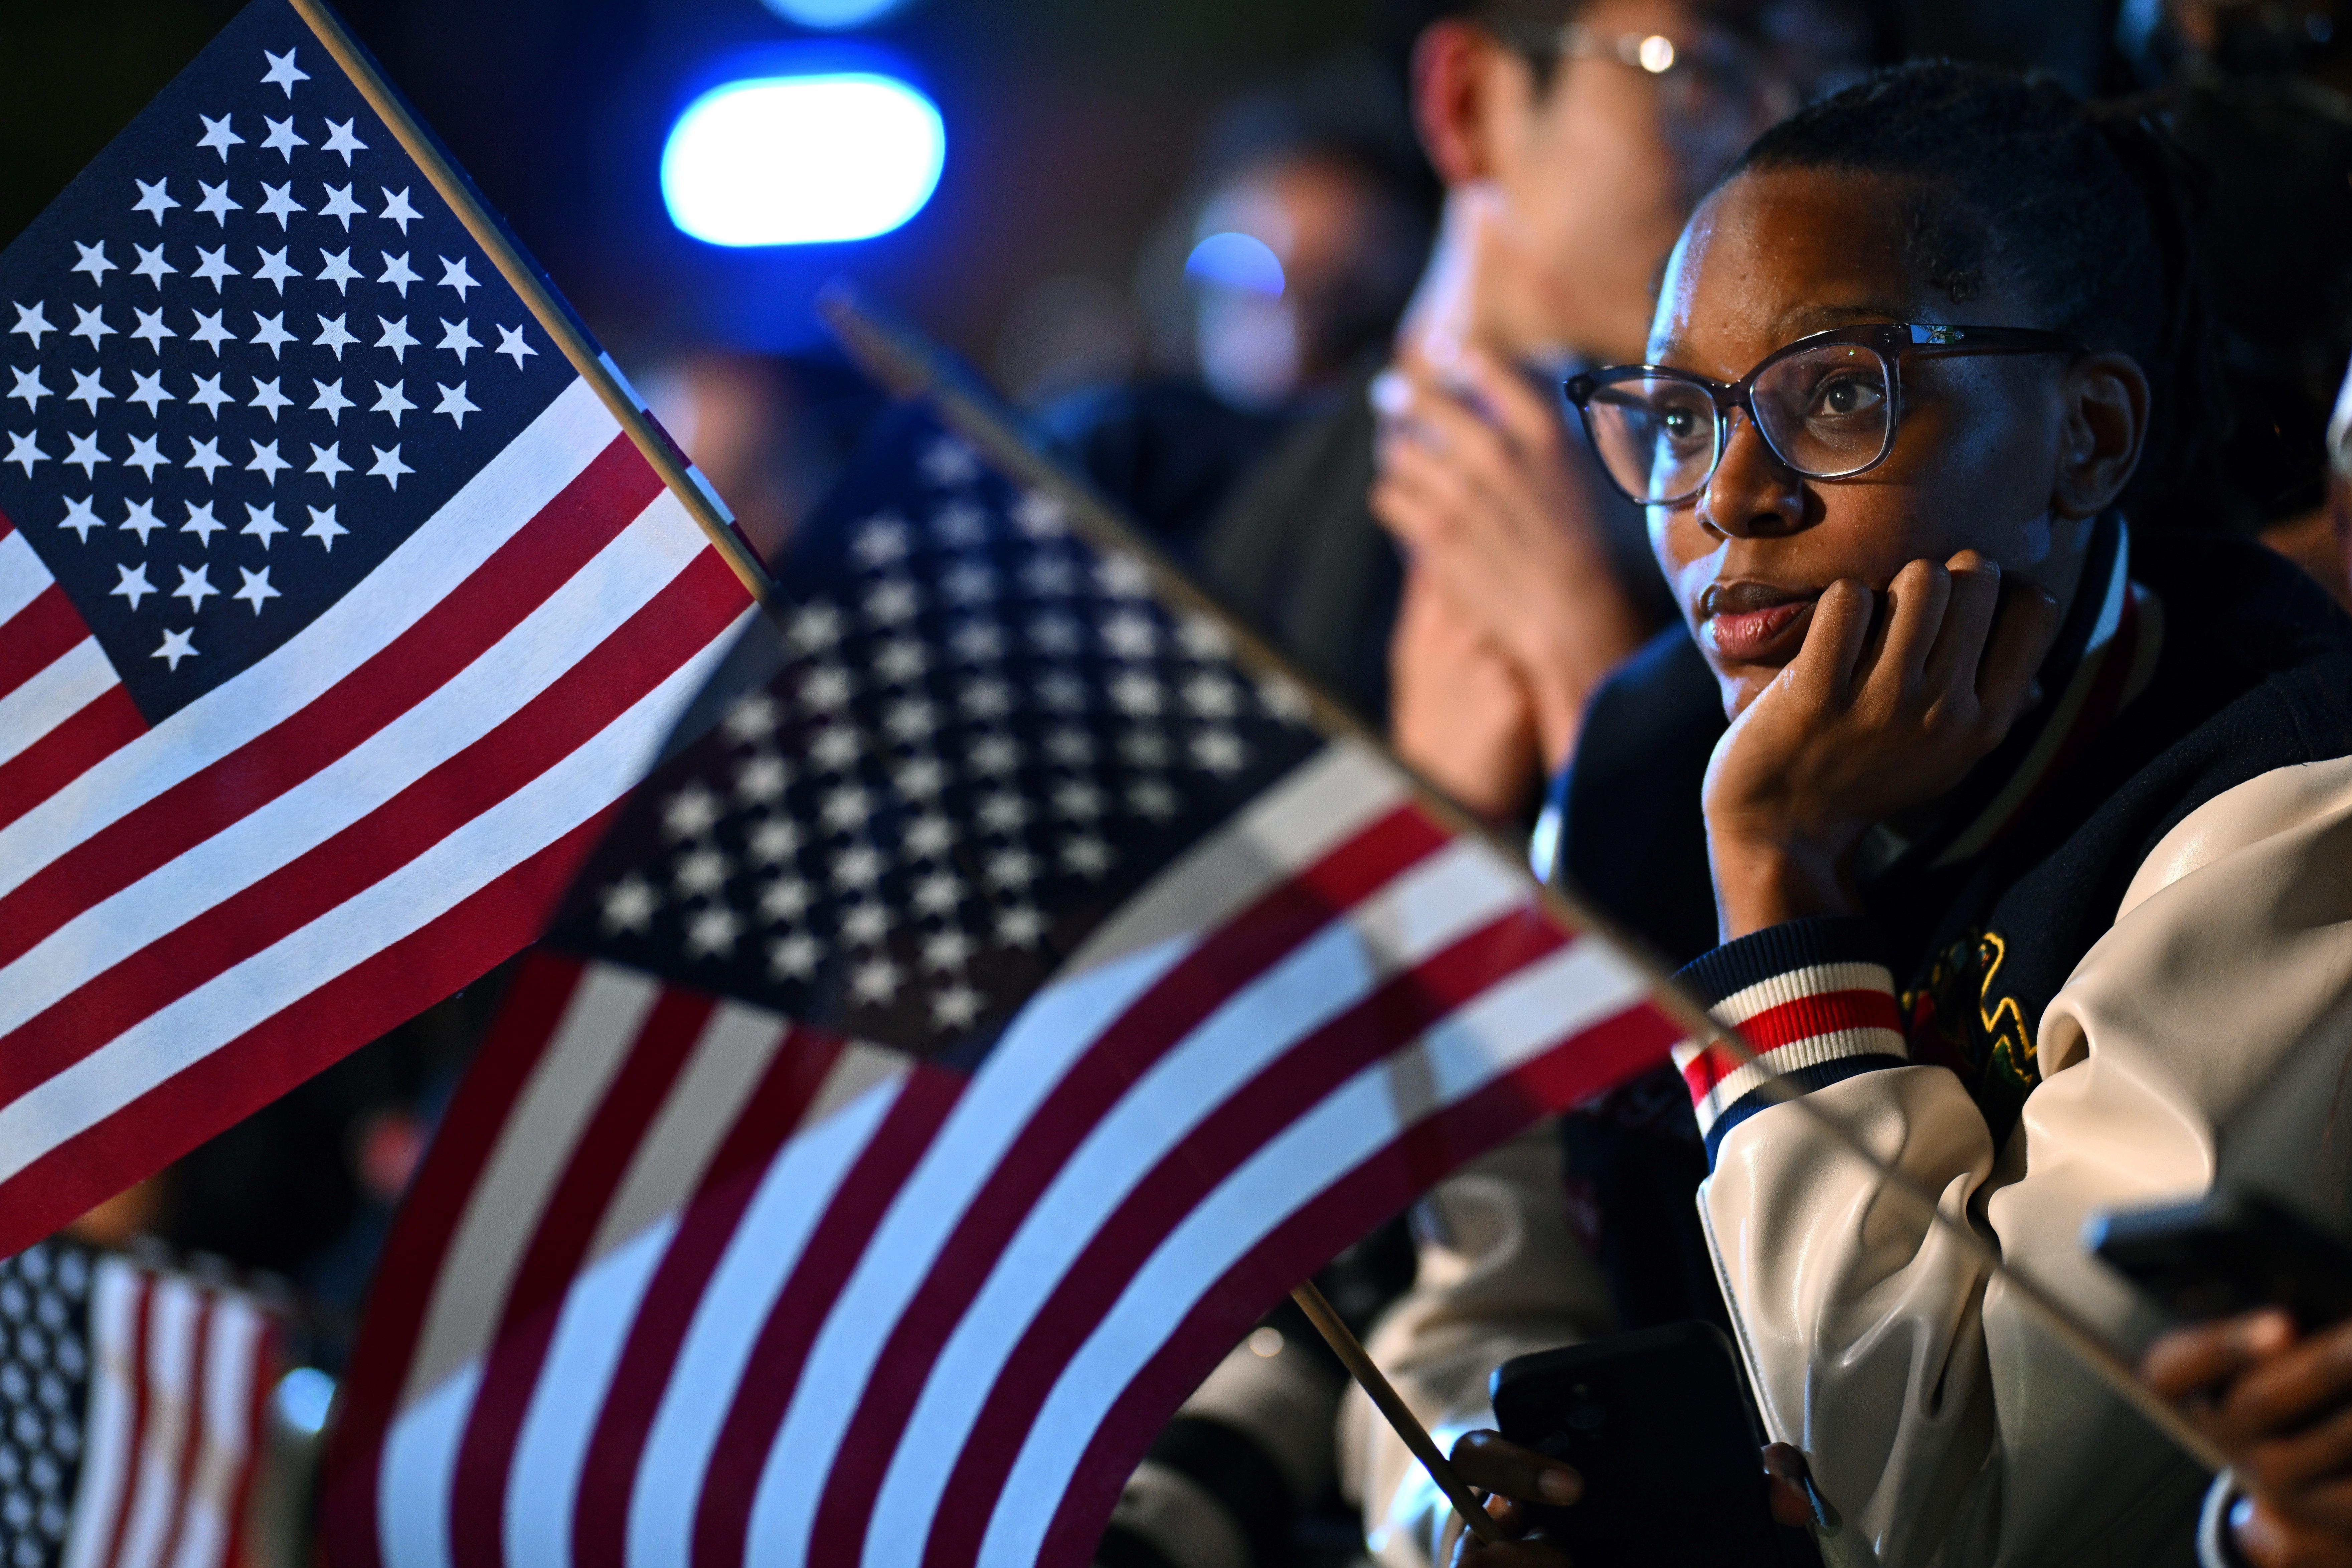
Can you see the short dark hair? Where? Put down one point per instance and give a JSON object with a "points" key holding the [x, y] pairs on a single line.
{"points": [[2016, 183]]}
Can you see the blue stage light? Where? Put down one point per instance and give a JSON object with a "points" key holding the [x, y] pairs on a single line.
{"points": [[834, 13], [1236, 261], [803, 160]]}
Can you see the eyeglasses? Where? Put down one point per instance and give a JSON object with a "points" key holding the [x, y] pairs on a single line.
{"points": [[1717, 91], [1826, 404]]}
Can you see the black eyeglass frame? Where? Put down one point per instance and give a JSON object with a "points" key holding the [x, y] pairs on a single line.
{"points": [[1893, 342]]}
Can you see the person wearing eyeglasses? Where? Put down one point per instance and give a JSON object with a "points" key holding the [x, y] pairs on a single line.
{"points": [[2027, 831]]}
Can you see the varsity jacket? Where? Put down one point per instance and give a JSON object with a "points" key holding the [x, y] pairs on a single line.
{"points": [[2113, 931]]}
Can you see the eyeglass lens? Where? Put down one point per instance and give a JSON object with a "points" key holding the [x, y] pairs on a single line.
{"points": [[1826, 413]]}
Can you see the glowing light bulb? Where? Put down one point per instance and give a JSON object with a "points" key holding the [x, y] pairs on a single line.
{"points": [[803, 160], [831, 14]]}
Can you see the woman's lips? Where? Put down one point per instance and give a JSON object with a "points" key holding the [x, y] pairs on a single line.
{"points": [[1754, 623]]}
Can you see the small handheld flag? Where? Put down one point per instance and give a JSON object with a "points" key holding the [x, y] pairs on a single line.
{"points": [[1007, 990], [342, 589]]}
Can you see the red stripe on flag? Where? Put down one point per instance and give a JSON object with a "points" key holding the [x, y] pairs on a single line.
{"points": [[411, 1266], [98, 729], [1288, 1088], [37, 635], [566, 1226], [608, 1473], [645, 650], [240, 1491], [1572, 1072], [1799, 1018], [519, 575], [723, 1514], [1236, 953], [390, 987]]}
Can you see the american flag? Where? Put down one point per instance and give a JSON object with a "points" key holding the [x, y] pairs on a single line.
{"points": [[959, 1042], [335, 609], [132, 1412]]}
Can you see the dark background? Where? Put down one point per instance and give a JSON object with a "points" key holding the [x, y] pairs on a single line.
{"points": [[1072, 127]]}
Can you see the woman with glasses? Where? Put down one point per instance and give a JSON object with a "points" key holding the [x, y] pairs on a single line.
{"points": [[2029, 838]]}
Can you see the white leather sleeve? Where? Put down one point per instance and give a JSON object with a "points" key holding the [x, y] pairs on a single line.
{"points": [[1501, 1275], [1941, 1422]]}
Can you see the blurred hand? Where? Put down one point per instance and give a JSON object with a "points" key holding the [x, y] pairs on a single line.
{"points": [[1457, 708], [1477, 482], [1513, 1477], [2280, 1405]]}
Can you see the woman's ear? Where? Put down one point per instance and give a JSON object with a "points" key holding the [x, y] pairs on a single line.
{"points": [[2105, 404], [1453, 99]]}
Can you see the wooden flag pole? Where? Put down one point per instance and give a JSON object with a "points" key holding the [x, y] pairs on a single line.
{"points": [[554, 318], [1385, 1398]]}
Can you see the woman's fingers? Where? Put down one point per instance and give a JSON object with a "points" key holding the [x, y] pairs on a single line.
{"points": [[1916, 602], [1957, 651], [2024, 628], [2188, 1360], [2288, 1464], [2284, 1389], [1824, 667], [1491, 1462], [1530, 420]]}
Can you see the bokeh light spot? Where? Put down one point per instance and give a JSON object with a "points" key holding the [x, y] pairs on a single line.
{"points": [[831, 13], [1236, 261], [803, 160]]}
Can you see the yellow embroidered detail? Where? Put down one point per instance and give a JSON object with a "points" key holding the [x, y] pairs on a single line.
{"points": [[2003, 1022]]}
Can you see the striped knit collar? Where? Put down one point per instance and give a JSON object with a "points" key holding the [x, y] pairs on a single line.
{"points": [[2105, 657]]}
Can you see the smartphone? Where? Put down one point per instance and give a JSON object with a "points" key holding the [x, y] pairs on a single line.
{"points": [[1660, 1425], [2228, 1253]]}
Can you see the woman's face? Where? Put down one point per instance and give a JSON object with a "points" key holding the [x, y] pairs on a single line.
{"points": [[1773, 257]]}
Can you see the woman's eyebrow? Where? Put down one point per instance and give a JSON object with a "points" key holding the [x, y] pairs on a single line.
{"points": [[1807, 318]]}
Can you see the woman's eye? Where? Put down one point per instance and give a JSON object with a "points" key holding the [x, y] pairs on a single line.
{"points": [[1847, 396]]}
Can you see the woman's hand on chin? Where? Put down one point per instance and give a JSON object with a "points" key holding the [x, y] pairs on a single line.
{"points": [[1884, 709]]}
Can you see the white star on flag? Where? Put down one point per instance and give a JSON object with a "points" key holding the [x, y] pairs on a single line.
{"points": [[201, 523], [213, 268], [341, 207], [208, 396], [92, 324], [94, 262], [81, 516], [219, 137], [510, 342], [218, 205], [454, 275], [282, 139], [86, 453], [139, 516], [150, 391], [274, 269], [87, 390], [195, 586], [338, 269], [176, 647], [454, 404], [388, 466], [146, 456], [398, 272], [328, 461], [397, 210], [269, 398], [331, 401], [457, 338], [154, 200], [30, 388], [206, 456], [281, 203], [341, 140], [392, 400], [267, 462], [151, 266], [33, 322], [395, 338], [134, 585], [270, 332], [262, 523], [21, 449], [283, 72], [211, 332], [324, 529], [256, 587]]}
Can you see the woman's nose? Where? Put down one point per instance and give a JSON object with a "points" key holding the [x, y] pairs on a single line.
{"points": [[1752, 493]]}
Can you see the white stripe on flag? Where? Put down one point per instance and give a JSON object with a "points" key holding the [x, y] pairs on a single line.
{"points": [[589, 607], [22, 575], [1420, 912], [232, 1345], [53, 694], [106, 1461], [793, 1197], [175, 1037], [1545, 1002], [172, 1352], [494, 505]]}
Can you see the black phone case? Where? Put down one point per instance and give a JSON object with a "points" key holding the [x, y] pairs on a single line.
{"points": [[2229, 1253], [1661, 1425]]}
